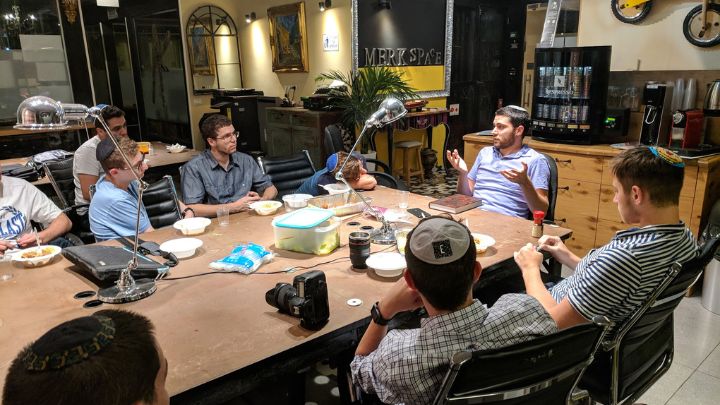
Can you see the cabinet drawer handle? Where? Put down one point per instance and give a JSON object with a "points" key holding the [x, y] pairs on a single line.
{"points": [[566, 188], [568, 161], [563, 220]]}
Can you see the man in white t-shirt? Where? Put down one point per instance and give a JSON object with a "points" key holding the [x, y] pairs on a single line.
{"points": [[86, 168], [21, 202]]}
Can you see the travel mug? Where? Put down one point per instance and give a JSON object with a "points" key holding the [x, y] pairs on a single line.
{"points": [[359, 243]]}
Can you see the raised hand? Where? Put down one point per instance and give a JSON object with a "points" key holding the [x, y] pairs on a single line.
{"points": [[517, 176], [456, 161]]}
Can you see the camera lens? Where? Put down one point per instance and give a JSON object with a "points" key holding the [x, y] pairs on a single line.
{"points": [[279, 297]]}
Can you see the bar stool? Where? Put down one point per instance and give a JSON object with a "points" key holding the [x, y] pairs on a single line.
{"points": [[408, 148]]}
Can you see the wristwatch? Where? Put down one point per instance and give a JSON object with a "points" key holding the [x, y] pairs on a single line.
{"points": [[377, 316]]}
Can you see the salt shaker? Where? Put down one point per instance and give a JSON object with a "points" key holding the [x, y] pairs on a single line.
{"points": [[537, 228]]}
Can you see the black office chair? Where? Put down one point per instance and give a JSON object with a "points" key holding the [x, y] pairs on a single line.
{"points": [[60, 174], [333, 140], [161, 202], [287, 172], [384, 179], [641, 350], [544, 370]]}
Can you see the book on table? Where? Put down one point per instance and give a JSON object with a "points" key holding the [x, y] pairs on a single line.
{"points": [[455, 203]]}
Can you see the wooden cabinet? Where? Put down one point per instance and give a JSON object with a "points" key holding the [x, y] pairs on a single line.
{"points": [[585, 192], [290, 130]]}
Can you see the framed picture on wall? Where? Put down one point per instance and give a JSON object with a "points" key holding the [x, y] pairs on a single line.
{"points": [[201, 52], [288, 38]]}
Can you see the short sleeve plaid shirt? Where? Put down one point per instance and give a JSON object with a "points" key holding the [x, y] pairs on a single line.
{"points": [[409, 364]]}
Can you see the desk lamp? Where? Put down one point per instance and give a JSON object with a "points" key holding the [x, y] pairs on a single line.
{"points": [[391, 109], [42, 112]]}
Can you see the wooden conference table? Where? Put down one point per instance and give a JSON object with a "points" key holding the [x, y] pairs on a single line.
{"points": [[219, 335]]}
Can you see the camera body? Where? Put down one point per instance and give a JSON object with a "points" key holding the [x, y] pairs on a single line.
{"points": [[306, 298]]}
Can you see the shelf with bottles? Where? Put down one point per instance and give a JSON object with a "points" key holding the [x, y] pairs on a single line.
{"points": [[557, 111], [564, 81]]}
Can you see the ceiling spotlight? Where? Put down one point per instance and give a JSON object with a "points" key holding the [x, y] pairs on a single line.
{"points": [[250, 17], [324, 5], [384, 4]]}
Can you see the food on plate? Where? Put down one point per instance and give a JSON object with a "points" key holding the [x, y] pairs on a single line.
{"points": [[31, 254]]}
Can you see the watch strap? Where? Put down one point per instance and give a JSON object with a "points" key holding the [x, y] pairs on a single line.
{"points": [[376, 315]]}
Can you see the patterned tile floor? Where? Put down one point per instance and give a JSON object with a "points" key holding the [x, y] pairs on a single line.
{"points": [[442, 184]]}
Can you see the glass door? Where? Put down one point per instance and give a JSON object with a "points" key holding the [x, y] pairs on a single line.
{"points": [[137, 64]]}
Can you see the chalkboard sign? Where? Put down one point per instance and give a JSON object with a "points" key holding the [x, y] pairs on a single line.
{"points": [[409, 33]]}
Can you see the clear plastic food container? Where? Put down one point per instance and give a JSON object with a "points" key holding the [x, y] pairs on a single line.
{"points": [[340, 204], [307, 230]]}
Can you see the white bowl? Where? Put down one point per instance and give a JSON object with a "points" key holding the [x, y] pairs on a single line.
{"points": [[266, 207], [295, 201], [192, 226], [482, 242], [387, 264], [36, 256], [182, 247], [176, 148]]}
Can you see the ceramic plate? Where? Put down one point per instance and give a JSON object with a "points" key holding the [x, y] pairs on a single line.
{"points": [[387, 264]]}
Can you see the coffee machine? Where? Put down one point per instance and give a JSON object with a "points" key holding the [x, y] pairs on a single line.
{"points": [[657, 114], [687, 129]]}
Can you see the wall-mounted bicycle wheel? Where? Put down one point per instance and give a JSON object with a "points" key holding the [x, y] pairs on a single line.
{"points": [[630, 15], [698, 35]]}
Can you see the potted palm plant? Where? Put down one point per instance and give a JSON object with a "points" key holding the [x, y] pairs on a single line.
{"points": [[363, 92]]}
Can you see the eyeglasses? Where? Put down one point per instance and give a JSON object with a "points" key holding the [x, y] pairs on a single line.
{"points": [[230, 136]]}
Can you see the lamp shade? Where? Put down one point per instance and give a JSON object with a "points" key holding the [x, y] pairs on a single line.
{"points": [[391, 109], [40, 112]]}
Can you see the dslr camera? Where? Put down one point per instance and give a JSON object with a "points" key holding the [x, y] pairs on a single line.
{"points": [[306, 298]]}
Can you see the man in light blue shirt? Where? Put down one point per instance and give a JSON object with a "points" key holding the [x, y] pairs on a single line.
{"points": [[510, 177], [113, 206]]}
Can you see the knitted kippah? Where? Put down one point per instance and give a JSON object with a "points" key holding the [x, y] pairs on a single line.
{"points": [[70, 343]]}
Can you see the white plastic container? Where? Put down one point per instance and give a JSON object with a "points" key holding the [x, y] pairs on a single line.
{"points": [[296, 201], [307, 230]]}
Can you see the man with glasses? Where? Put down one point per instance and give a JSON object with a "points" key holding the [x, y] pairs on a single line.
{"points": [[86, 168], [113, 207], [221, 175]]}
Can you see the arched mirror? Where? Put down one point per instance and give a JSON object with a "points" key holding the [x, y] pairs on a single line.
{"points": [[212, 40]]}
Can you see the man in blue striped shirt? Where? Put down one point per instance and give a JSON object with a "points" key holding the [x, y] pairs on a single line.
{"points": [[617, 278]]}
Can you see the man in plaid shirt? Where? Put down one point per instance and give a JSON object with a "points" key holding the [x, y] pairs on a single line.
{"points": [[407, 366]]}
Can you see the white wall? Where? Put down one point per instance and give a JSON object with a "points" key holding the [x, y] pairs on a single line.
{"points": [[657, 43]]}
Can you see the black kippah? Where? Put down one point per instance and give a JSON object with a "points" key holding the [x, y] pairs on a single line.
{"points": [[70, 343], [104, 149]]}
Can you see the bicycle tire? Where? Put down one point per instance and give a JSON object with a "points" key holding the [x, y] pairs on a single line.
{"points": [[643, 11], [694, 14]]}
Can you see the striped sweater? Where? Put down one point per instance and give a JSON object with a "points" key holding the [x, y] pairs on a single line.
{"points": [[616, 279]]}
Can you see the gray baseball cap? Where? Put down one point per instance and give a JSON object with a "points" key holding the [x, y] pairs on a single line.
{"points": [[439, 241]]}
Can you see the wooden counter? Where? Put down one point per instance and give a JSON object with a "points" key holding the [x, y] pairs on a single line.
{"points": [[160, 157], [10, 131], [585, 194], [219, 325]]}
